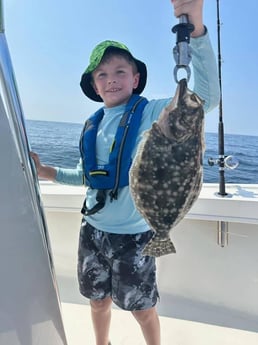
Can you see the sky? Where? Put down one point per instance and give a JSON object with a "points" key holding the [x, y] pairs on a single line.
{"points": [[50, 43]]}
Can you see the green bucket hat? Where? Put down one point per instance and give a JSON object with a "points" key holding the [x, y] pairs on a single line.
{"points": [[95, 59]]}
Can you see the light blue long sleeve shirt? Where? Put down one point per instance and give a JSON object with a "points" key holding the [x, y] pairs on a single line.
{"points": [[120, 216]]}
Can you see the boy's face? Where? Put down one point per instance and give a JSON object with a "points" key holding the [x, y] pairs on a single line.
{"points": [[114, 81]]}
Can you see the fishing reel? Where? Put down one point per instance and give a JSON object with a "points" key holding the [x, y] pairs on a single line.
{"points": [[224, 162], [228, 162]]}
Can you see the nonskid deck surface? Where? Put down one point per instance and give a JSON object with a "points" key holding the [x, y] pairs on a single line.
{"points": [[125, 330]]}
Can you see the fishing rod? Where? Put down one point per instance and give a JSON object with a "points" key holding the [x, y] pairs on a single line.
{"points": [[223, 161]]}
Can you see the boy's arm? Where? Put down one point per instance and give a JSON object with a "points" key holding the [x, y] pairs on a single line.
{"points": [[70, 176], [206, 81], [60, 175]]}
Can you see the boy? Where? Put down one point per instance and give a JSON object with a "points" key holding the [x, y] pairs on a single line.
{"points": [[113, 234]]}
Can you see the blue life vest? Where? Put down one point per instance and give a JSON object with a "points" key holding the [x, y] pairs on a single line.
{"points": [[114, 174]]}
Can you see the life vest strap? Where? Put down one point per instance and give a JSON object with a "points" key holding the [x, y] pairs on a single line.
{"points": [[100, 198]]}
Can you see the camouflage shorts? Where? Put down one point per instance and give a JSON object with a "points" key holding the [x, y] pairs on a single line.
{"points": [[111, 265]]}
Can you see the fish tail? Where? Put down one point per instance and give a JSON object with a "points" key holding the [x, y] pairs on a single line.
{"points": [[159, 248]]}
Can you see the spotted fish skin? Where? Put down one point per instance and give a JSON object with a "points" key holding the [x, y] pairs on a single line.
{"points": [[166, 174]]}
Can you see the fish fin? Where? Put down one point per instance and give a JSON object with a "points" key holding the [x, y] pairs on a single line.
{"points": [[159, 247]]}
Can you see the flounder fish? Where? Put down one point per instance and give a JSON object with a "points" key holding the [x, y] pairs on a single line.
{"points": [[166, 173]]}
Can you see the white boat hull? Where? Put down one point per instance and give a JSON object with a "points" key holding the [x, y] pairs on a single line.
{"points": [[203, 283]]}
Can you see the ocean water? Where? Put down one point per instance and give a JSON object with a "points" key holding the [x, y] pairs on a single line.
{"points": [[57, 145]]}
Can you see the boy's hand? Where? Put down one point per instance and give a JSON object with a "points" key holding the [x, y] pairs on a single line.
{"points": [[36, 160], [194, 9], [43, 171]]}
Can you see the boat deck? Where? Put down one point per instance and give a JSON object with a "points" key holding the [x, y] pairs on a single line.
{"points": [[125, 330]]}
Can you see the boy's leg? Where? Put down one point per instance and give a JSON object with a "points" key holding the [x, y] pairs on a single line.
{"points": [[101, 317], [134, 284], [94, 279], [149, 321]]}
